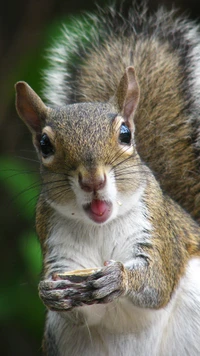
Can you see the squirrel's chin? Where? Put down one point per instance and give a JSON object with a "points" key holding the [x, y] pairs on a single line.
{"points": [[98, 210]]}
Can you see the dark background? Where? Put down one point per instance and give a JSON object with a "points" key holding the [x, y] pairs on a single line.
{"points": [[26, 29]]}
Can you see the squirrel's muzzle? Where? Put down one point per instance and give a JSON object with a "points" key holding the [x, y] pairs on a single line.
{"points": [[92, 183]]}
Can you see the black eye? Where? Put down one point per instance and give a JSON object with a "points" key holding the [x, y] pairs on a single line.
{"points": [[46, 146], [125, 135]]}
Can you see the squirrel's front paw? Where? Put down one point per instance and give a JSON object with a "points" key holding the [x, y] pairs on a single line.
{"points": [[107, 284], [58, 295]]}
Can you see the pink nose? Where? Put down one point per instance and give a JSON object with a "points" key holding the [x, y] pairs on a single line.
{"points": [[92, 184]]}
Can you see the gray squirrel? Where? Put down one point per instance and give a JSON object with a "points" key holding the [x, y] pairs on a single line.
{"points": [[119, 152]]}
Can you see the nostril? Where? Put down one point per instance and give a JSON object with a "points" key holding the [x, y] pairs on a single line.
{"points": [[80, 178], [100, 184], [85, 184]]}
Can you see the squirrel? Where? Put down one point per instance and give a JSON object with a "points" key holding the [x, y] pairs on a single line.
{"points": [[115, 147]]}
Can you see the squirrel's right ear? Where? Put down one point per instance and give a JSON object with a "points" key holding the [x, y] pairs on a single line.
{"points": [[30, 107], [126, 98]]}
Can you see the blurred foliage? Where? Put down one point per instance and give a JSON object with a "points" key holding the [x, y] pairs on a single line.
{"points": [[23, 188], [19, 300]]}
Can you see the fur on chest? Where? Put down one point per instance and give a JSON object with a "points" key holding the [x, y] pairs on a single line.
{"points": [[73, 244]]}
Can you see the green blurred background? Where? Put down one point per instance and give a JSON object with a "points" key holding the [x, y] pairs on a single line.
{"points": [[27, 29]]}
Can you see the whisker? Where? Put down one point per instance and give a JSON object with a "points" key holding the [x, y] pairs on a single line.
{"points": [[121, 162], [117, 155], [56, 188], [26, 190], [29, 151], [16, 174], [55, 194], [28, 159], [132, 165]]}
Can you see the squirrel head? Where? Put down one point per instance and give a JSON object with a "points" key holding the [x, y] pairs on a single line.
{"points": [[89, 163]]}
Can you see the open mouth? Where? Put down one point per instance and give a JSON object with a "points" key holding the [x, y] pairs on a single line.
{"points": [[98, 210]]}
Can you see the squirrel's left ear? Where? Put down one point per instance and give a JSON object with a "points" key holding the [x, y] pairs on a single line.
{"points": [[127, 95], [30, 107]]}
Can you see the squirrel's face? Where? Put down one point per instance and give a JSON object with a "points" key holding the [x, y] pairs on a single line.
{"points": [[90, 168], [88, 162]]}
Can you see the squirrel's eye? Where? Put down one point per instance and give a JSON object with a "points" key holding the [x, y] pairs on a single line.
{"points": [[125, 135], [46, 146]]}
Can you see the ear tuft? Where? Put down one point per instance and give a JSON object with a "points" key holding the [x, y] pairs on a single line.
{"points": [[30, 107]]}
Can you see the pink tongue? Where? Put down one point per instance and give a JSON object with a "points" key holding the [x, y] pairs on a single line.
{"points": [[98, 207]]}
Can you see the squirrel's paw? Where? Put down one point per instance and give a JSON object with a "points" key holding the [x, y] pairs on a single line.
{"points": [[101, 287], [107, 284], [58, 295]]}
